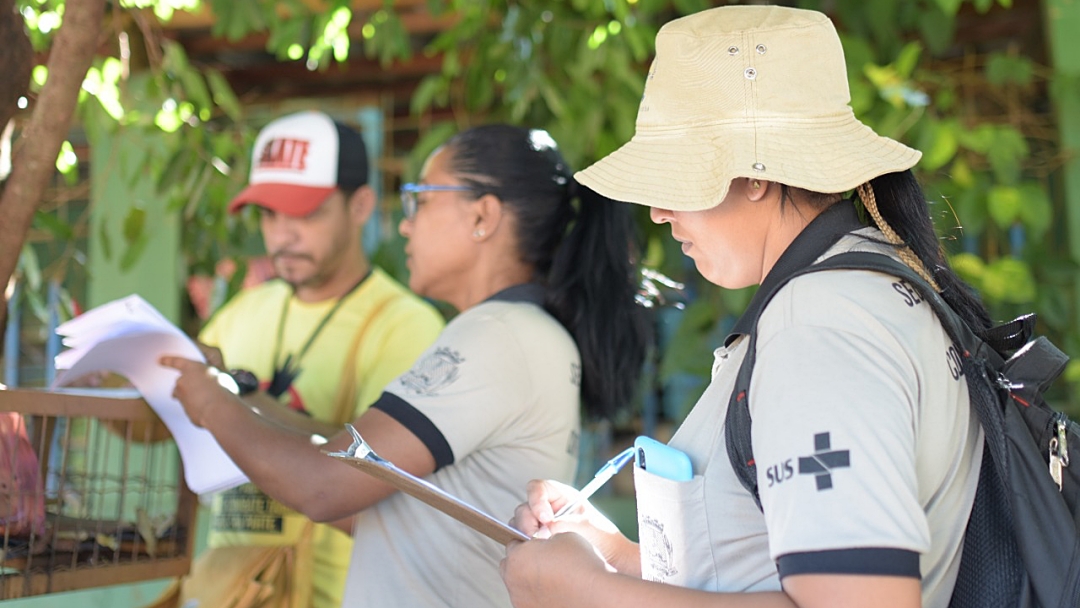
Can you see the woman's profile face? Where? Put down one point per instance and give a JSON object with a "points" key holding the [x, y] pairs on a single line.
{"points": [[440, 249], [728, 242]]}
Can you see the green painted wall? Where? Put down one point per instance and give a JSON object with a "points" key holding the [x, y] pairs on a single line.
{"points": [[116, 186], [1062, 24]]}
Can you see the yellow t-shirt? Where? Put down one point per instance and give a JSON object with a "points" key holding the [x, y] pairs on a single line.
{"points": [[246, 331]]}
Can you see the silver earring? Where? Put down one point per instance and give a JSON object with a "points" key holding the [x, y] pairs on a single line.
{"points": [[479, 232]]}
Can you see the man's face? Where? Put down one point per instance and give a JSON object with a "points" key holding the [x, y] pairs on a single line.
{"points": [[307, 251]]}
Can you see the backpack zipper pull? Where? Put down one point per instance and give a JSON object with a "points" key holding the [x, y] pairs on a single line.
{"points": [[1059, 453], [1063, 442]]}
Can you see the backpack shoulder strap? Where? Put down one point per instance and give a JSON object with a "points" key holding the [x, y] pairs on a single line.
{"points": [[738, 422]]}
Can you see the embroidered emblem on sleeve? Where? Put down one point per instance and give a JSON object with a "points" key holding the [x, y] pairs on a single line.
{"points": [[823, 461], [434, 372]]}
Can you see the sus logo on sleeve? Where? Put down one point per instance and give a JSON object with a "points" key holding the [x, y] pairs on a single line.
{"points": [[822, 462]]}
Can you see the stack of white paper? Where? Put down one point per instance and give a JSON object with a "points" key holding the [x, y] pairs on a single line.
{"points": [[128, 337]]}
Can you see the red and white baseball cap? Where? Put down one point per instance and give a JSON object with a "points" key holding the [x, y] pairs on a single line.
{"points": [[299, 160]]}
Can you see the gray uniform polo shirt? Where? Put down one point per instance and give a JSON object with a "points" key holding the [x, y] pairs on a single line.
{"points": [[496, 400], [867, 451]]}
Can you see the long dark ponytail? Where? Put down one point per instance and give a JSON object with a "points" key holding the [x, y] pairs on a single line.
{"points": [[581, 244], [902, 205]]}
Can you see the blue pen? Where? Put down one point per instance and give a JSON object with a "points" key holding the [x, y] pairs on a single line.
{"points": [[605, 473]]}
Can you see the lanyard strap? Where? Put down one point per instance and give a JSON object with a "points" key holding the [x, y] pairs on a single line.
{"points": [[289, 369]]}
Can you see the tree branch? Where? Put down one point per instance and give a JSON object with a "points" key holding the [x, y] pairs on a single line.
{"points": [[17, 57], [35, 162]]}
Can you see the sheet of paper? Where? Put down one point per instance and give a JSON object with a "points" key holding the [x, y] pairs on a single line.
{"points": [[128, 337]]}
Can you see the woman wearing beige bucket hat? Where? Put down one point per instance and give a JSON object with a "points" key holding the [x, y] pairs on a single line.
{"points": [[866, 453]]}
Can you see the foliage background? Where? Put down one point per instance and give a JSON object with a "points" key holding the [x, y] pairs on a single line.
{"points": [[978, 112]]}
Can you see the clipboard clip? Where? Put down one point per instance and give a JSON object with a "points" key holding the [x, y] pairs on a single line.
{"points": [[360, 456], [359, 448]]}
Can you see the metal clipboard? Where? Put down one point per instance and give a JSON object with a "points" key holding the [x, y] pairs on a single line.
{"points": [[361, 456]]}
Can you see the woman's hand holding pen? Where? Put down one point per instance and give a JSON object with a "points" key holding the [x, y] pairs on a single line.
{"points": [[567, 555], [536, 518], [559, 571]]}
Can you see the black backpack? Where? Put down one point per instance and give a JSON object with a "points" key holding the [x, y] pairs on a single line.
{"points": [[1022, 546]]}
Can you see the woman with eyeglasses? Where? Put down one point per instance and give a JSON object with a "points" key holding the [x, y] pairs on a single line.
{"points": [[541, 272]]}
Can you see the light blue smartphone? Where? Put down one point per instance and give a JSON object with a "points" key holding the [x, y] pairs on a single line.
{"points": [[662, 459]]}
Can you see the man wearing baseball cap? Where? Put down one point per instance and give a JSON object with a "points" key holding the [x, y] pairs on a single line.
{"points": [[310, 349]]}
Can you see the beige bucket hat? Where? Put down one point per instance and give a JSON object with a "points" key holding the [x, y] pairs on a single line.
{"points": [[744, 91]]}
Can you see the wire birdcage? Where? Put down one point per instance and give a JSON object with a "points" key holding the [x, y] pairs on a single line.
{"points": [[91, 494]]}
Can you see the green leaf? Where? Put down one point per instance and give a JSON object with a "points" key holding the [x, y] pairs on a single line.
{"points": [[223, 94], [1004, 203], [1072, 372], [36, 304], [639, 40], [858, 52], [907, 59], [1003, 69], [970, 267], [1054, 305], [978, 139], [427, 143], [104, 240], [175, 59], [67, 163], [30, 268], [945, 100], [134, 225], [195, 88], [1006, 153], [961, 173], [881, 17], [424, 95], [170, 172], [39, 75], [133, 252], [1036, 210], [895, 87], [654, 252], [695, 324], [168, 117], [863, 96], [55, 225], [1009, 280], [950, 7], [551, 96], [939, 144], [971, 211], [1063, 87], [736, 300], [938, 29]]}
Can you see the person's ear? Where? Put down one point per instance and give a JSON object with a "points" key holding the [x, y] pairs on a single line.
{"points": [[361, 205], [488, 210], [757, 189]]}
